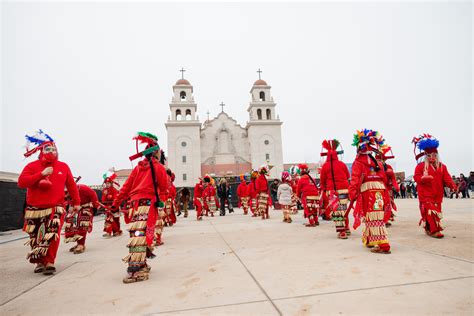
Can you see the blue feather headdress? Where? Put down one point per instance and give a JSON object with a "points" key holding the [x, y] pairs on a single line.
{"points": [[425, 144], [40, 139]]}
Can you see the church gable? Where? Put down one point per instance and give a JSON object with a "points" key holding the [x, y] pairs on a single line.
{"points": [[224, 142]]}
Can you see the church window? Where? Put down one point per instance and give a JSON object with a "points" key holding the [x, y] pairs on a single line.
{"points": [[262, 96], [188, 114], [183, 144], [178, 114], [182, 95], [267, 157], [184, 159], [259, 114], [185, 177], [266, 142], [269, 114]]}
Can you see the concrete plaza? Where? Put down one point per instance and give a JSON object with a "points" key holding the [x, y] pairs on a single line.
{"points": [[242, 265]]}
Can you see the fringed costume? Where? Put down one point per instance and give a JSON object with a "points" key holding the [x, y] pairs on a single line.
{"points": [[391, 183], [198, 202], [367, 188], [112, 218], [78, 224], [263, 195], [243, 194], [146, 188], [308, 192], [44, 181], [334, 180], [431, 177], [253, 194], [211, 204]]}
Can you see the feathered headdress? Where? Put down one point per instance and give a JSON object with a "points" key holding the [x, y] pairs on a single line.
{"points": [[110, 175], [151, 142], [425, 143], [285, 176], [331, 146], [254, 174], [294, 170], [40, 139], [264, 169], [368, 139], [385, 153]]}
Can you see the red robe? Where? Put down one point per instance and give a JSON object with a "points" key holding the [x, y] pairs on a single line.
{"points": [[172, 196], [112, 221], [242, 191], [306, 188], [368, 189], [198, 188], [139, 186], [431, 193], [44, 198], [334, 176]]}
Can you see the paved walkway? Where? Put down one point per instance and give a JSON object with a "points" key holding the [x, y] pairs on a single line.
{"points": [[242, 265]]}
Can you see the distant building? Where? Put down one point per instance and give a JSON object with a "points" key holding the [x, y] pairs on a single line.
{"points": [[221, 146]]}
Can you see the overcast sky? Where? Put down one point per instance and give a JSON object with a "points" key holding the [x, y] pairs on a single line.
{"points": [[91, 75]]}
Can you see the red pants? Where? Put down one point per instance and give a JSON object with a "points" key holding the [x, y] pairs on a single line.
{"points": [[198, 206], [431, 216], [82, 241]]}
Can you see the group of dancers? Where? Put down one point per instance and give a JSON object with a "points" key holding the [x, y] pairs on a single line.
{"points": [[147, 199]]}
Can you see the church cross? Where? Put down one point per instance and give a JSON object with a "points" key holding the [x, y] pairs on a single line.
{"points": [[259, 72], [222, 105], [182, 72]]}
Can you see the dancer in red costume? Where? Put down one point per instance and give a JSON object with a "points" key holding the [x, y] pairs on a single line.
{"points": [[367, 188], [198, 202], [431, 176], [334, 179], [44, 180], [243, 194], [391, 184], [170, 205], [211, 204], [112, 219], [146, 188], [252, 192], [78, 224], [308, 192], [263, 195]]}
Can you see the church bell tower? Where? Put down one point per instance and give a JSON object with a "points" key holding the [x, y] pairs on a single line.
{"points": [[183, 129], [264, 129]]}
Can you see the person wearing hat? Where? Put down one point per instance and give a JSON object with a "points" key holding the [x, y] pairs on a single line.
{"points": [[211, 203], [368, 190], [263, 193], [307, 191], [253, 193], [198, 202], [284, 196], [170, 204], [146, 188], [243, 194], [392, 184], [334, 180], [44, 180], [431, 176], [78, 224], [112, 219]]}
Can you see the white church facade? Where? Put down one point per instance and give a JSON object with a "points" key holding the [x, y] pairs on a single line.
{"points": [[221, 146]]}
